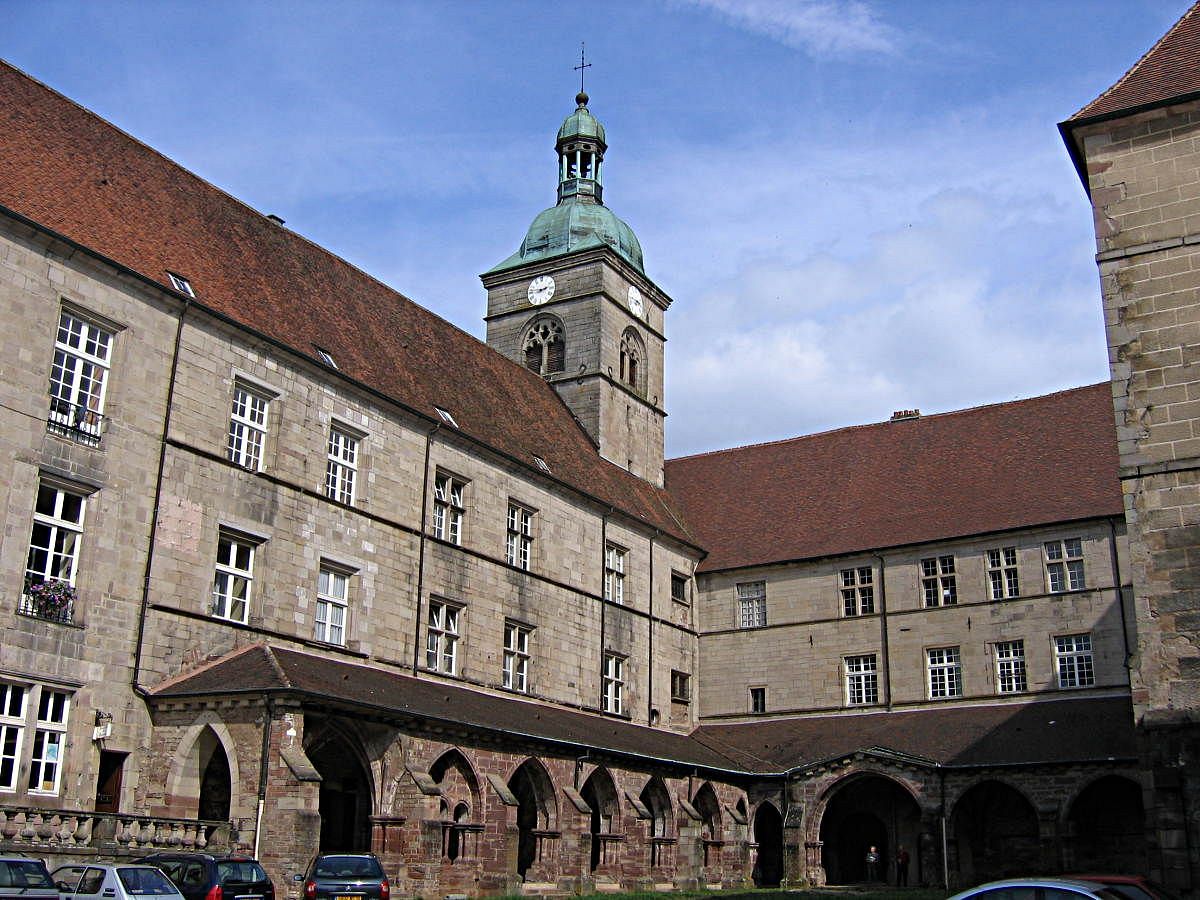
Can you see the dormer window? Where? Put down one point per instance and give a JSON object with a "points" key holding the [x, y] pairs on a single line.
{"points": [[181, 284]]}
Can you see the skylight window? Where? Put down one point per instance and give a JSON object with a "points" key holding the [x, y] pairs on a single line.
{"points": [[541, 464], [326, 357], [446, 417], [181, 284]]}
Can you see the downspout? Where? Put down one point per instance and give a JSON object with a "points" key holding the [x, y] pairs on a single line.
{"points": [[945, 842], [421, 549], [1116, 576], [135, 677], [268, 718], [650, 641], [883, 631]]}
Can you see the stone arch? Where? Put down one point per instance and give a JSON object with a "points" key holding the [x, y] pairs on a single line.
{"points": [[537, 808], [204, 775], [995, 833], [461, 800], [1106, 824], [544, 345], [862, 810], [706, 803], [657, 800], [600, 793], [633, 361], [768, 834], [347, 795]]}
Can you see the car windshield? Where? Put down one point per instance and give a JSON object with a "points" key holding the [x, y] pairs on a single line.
{"points": [[240, 870], [144, 881], [348, 867], [23, 873]]}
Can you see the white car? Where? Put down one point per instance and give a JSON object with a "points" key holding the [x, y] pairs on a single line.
{"points": [[112, 882], [1038, 889]]}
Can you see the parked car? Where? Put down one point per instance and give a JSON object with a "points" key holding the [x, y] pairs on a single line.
{"points": [[1132, 887], [113, 882], [345, 876], [25, 879], [205, 876], [1038, 889]]}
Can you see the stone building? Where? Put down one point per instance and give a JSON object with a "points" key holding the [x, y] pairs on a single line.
{"points": [[296, 565], [1137, 150]]}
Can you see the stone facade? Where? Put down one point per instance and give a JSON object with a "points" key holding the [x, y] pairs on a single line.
{"points": [[1143, 176]]}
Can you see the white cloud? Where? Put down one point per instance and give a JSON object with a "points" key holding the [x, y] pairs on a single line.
{"points": [[822, 28]]}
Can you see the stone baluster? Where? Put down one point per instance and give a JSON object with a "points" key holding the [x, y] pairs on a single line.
{"points": [[148, 834], [45, 828], [28, 828], [124, 835], [201, 837], [175, 839], [83, 831]]}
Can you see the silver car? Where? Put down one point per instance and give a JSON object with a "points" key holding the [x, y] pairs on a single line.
{"points": [[113, 882]]}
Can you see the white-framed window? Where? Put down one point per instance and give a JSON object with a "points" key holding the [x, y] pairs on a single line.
{"points": [[42, 712], [614, 683], [862, 680], [448, 508], [341, 465], [181, 284], [945, 672], [516, 656], [1064, 565], [752, 604], [518, 546], [1010, 667], [1073, 659], [55, 537], [13, 698], [1002, 573], [681, 686], [333, 598], [938, 582], [78, 377], [614, 573], [247, 427], [441, 637], [858, 591], [234, 577], [758, 699], [49, 741]]}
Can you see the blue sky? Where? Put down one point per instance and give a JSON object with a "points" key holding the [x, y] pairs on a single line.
{"points": [[857, 206]]}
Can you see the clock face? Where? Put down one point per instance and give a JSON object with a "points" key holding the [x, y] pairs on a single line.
{"points": [[541, 289], [635, 302]]}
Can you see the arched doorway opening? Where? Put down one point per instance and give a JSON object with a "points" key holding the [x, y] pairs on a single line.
{"points": [[345, 796], [867, 811], [215, 781], [600, 794], [536, 811], [1108, 827], [707, 805], [768, 834], [996, 834]]}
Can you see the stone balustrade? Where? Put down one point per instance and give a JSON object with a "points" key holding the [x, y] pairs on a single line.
{"points": [[25, 829]]}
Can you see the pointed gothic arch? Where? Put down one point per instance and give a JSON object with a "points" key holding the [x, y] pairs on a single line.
{"points": [[1106, 822], [460, 804], [768, 834], [347, 794], [600, 793], [204, 777], [657, 800], [537, 809], [995, 831], [633, 361], [863, 810], [545, 345]]}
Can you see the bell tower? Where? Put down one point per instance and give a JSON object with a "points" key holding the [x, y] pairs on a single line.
{"points": [[573, 304]]}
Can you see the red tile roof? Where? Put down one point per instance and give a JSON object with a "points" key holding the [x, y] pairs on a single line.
{"points": [[1169, 69], [991, 468], [1058, 730], [69, 171]]}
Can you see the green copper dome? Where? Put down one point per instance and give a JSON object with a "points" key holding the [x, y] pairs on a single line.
{"points": [[581, 123], [579, 221]]}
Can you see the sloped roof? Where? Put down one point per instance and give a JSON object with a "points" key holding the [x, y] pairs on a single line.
{"points": [[260, 668], [991, 468], [1169, 69], [67, 170], [1059, 730]]}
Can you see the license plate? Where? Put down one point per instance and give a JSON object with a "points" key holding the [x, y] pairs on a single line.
{"points": [[347, 897]]}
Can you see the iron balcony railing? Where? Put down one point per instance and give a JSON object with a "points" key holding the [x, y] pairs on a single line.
{"points": [[75, 421]]}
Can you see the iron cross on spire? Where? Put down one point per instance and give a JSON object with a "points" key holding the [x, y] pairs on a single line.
{"points": [[583, 64]]}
